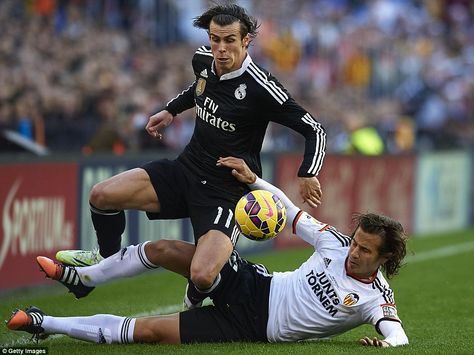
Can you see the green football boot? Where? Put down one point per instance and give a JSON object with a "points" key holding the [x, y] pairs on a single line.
{"points": [[79, 257]]}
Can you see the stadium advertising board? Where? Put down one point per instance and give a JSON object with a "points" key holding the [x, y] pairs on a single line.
{"points": [[351, 184], [443, 188], [38, 204]]}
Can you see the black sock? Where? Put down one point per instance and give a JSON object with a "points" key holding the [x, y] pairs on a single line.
{"points": [[109, 226], [196, 295]]}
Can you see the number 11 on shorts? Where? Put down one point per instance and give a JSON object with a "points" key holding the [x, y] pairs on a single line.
{"points": [[219, 215]]}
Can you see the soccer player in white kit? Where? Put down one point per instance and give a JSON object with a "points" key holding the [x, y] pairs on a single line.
{"points": [[340, 287]]}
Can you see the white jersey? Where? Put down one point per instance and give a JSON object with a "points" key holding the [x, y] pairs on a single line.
{"points": [[320, 299]]}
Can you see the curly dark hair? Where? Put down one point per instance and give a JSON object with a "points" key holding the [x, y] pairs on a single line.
{"points": [[226, 14], [393, 238]]}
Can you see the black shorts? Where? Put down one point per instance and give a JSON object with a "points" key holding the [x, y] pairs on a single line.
{"points": [[183, 194], [240, 311]]}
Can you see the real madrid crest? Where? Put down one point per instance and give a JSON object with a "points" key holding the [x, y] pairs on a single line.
{"points": [[240, 92], [200, 86]]}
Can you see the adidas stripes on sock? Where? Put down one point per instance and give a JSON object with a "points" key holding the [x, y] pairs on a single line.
{"points": [[129, 261], [100, 328], [196, 294]]}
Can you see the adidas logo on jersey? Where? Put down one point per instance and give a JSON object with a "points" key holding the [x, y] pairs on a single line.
{"points": [[204, 73], [327, 261]]}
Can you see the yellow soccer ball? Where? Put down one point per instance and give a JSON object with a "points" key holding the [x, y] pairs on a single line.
{"points": [[260, 215]]}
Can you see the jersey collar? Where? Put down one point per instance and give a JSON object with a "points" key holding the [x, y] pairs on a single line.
{"points": [[367, 280], [235, 73]]}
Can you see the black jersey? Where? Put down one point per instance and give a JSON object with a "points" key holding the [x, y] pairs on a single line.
{"points": [[232, 115]]}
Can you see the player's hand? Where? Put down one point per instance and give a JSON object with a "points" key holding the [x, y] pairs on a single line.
{"points": [[240, 169], [158, 122], [366, 341], [310, 190]]}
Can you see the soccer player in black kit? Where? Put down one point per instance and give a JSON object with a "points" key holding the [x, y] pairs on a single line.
{"points": [[234, 100]]}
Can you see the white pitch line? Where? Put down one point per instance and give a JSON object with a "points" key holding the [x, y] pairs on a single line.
{"points": [[411, 259], [173, 308], [440, 252]]}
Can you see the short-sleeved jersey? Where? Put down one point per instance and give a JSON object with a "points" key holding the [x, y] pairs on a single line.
{"points": [[232, 115], [320, 299]]}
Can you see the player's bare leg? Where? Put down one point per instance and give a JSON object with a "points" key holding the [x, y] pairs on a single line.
{"points": [[212, 252], [157, 329], [173, 255], [129, 190]]}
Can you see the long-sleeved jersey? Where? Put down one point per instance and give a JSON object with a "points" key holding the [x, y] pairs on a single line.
{"points": [[232, 115], [321, 299]]}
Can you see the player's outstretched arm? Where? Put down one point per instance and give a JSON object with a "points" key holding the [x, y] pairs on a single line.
{"points": [[393, 333], [242, 172]]}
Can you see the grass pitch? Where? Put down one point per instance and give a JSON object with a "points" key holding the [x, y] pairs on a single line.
{"points": [[433, 292]]}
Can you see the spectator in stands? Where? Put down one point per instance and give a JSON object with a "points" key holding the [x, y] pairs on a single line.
{"points": [[418, 56]]}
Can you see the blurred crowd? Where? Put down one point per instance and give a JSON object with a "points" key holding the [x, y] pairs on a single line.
{"points": [[382, 76]]}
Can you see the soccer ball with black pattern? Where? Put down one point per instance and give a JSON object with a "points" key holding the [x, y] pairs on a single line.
{"points": [[260, 215]]}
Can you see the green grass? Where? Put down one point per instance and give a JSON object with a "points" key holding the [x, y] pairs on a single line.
{"points": [[434, 298]]}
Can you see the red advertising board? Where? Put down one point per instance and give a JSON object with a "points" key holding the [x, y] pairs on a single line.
{"points": [[351, 184], [38, 207]]}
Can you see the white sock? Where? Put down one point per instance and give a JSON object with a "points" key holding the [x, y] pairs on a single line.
{"points": [[101, 328], [129, 261]]}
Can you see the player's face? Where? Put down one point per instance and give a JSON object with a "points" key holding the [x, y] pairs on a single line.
{"points": [[364, 258], [228, 49]]}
